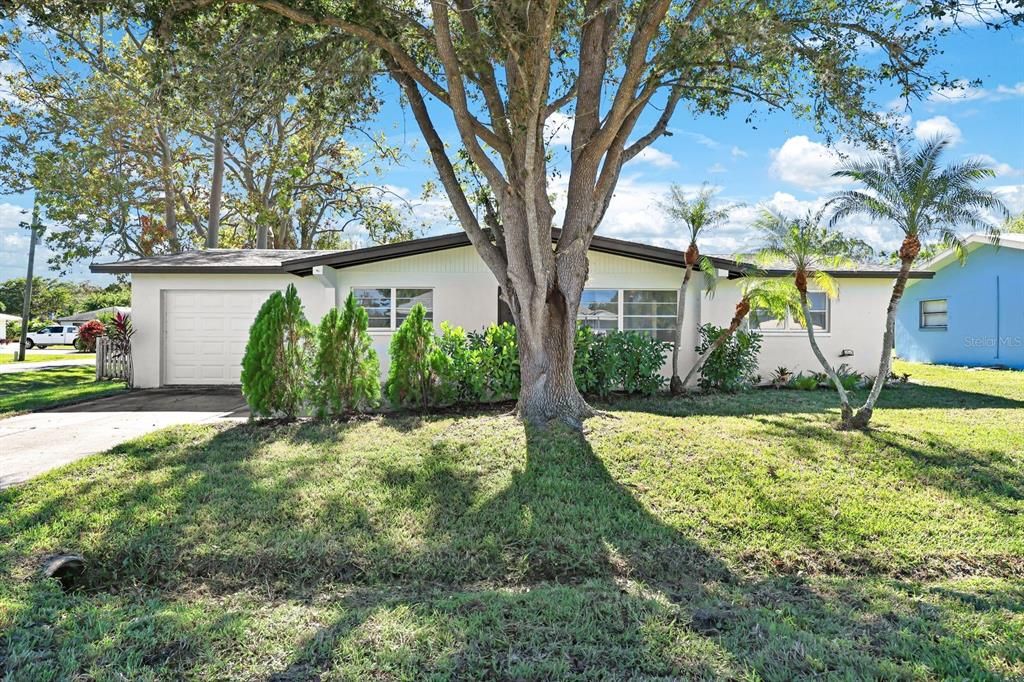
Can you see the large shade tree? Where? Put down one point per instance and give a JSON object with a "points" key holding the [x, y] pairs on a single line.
{"points": [[621, 69]]}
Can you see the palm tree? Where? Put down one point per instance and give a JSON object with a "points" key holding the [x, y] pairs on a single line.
{"points": [[768, 295], [809, 250], [698, 216], [925, 200]]}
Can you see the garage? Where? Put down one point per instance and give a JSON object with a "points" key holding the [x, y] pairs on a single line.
{"points": [[205, 332]]}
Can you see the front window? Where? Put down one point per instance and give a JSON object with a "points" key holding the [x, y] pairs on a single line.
{"points": [[387, 307], [599, 309], [819, 311], [651, 312], [935, 314]]}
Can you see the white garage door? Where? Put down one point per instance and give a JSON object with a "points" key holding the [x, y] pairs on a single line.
{"points": [[205, 332]]}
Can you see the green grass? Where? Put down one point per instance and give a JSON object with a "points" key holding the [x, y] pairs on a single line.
{"points": [[35, 389], [737, 537], [8, 358]]}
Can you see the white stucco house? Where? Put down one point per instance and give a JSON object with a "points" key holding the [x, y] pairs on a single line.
{"points": [[192, 311]]}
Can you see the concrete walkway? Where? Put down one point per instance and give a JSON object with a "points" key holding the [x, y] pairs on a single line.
{"points": [[34, 443], [12, 367]]}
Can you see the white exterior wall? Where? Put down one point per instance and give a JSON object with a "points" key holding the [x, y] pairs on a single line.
{"points": [[466, 294], [148, 314], [465, 291], [857, 320]]}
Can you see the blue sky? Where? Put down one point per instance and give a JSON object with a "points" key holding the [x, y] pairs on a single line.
{"points": [[779, 162]]}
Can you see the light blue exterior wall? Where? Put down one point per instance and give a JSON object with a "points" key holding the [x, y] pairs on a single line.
{"points": [[986, 312]]}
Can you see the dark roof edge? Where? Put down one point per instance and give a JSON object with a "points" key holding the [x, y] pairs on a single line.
{"points": [[132, 268]]}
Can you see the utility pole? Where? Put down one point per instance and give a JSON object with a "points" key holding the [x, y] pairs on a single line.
{"points": [[34, 228]]}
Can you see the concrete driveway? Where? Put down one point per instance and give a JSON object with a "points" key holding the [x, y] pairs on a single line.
{"points": [[34, 443]]}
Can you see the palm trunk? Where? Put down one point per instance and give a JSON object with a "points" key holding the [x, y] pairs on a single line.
{"points": [[844, 400], [908, 252], [216, 192], [676, 385], [742, 308]]}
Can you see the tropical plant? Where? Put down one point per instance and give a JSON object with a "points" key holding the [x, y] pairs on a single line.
{"points": [[596, 365], [781, 377], [809, 249], [770, 296], [346, 372], [731, 358], [120, 332], [924, 199], [850, 378], [696, 216], [499, 360], [275, 364], [806, 382], [458, 366], [87, 335], [412, 375]]}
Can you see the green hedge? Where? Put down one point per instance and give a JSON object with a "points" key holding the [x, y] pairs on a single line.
{"points": [[291, 367]]}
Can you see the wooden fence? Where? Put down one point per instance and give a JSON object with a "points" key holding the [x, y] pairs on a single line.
{"points": [[110, 364]]}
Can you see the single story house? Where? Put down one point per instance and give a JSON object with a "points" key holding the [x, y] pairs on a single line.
{"points": [[78, 319], [192, 311], [968, 314]]}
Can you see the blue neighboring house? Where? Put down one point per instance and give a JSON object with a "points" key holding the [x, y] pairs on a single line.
{"points": [[970, 314]]}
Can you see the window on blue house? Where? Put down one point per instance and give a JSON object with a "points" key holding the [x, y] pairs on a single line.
{"points": [[935, 314]]}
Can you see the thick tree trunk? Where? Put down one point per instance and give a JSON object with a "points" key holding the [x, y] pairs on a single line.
{"points": [[546, 349], [216, 192], [908, 252], [742, 308], [844, 400]]}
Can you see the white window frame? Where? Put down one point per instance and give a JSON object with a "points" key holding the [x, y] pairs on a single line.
{"points": [[621, 301], [922, 315], [393, 326], [792, 328]]}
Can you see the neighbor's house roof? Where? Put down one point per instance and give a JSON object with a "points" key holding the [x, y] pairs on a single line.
{"points": [[302, 262], [974, 242], [94, 314]]}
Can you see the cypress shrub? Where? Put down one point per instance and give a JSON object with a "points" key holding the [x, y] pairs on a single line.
{"points": [[274, 368], [346, 372], [411, 376]]}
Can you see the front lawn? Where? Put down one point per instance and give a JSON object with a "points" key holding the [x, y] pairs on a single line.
{"points": [[35, 389], [716, 537], [8, 358]]}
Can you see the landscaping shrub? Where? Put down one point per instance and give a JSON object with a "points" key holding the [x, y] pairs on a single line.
{"points": [[276, 360], [87, 335], [849, 378], [457, 363], [595, 366], [346, 372], [732, 366], [498, 360], [806, 382], [640, 358], [412, 376]]}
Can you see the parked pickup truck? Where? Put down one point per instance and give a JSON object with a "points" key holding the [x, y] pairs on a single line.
{"points": [[57, 335]]}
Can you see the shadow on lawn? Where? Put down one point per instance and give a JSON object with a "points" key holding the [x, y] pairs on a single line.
{"points": [[561, 573], [908, 397]]}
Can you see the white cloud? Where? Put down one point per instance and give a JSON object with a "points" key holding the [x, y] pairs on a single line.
{"points": [[808, 164], [717, 168], [558, 128], [1013, 91], [962, 91], [656, 158], [700, 138], [937, 126], [1001, 169], [738, 153], [959, 91]]}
